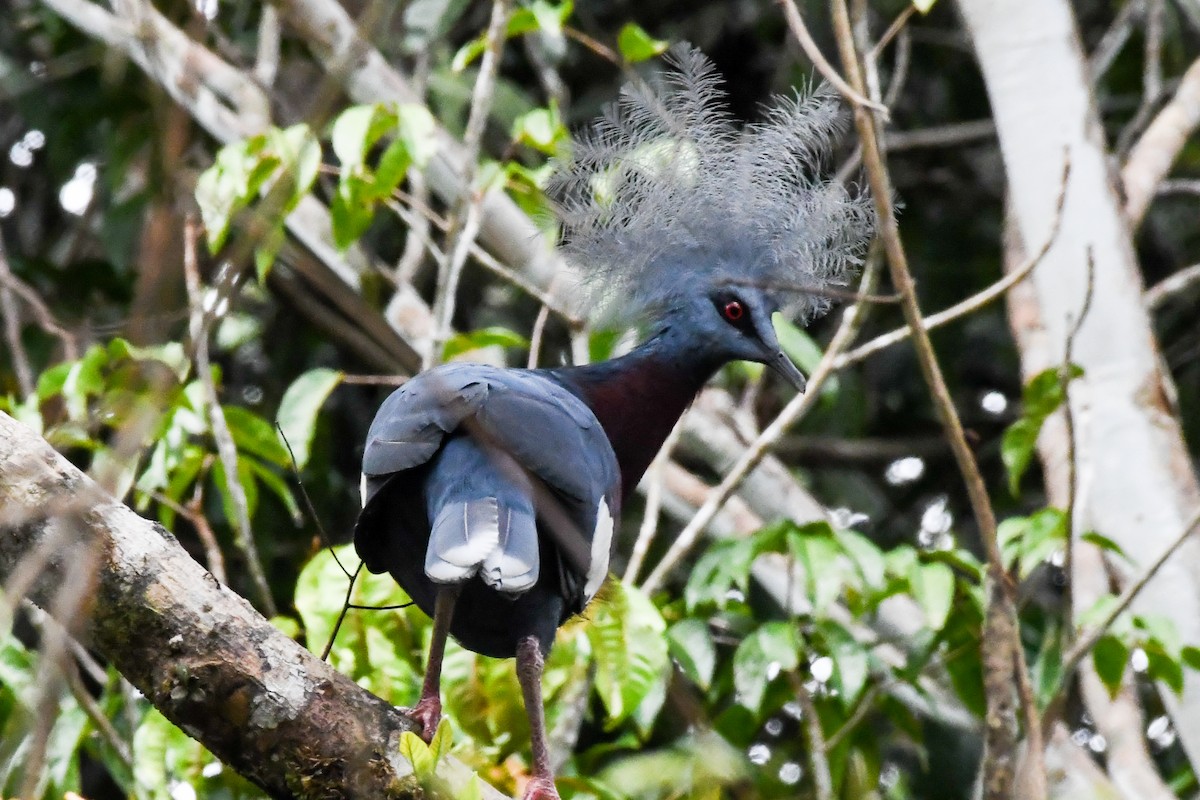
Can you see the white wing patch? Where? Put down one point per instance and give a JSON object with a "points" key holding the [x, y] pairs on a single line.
{"points": [[601, 541], [362, 490]]}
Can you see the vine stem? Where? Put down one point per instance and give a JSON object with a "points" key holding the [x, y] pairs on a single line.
{"points": [[1002, 652]]}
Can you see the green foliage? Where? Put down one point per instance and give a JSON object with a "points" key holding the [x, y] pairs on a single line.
{"points": [[281, 164], [495, 336], [545, 18], [1042, 396], [626, 634], [361, 185], [636, 45], [298, 410], [1025, 542]]}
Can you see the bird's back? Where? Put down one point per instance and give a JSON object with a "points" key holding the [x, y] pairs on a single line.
{"points": [[501, 481]]}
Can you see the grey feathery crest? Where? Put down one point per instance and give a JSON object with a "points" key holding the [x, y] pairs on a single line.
{"points": [[666, 194]]}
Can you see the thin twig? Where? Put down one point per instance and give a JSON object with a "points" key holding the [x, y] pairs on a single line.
{"points": [[1001, 618], [955, 133], [465, 222], [535, 336], [654, 490], [266, 57], [1065, 379], [375, 380], [892, 30], [975, 301], [41, 312], [796, 23], [1088, 640], [818, 749], [12, 334], [1151, 157], [95, 713], [308, 505], [1114, 38], [226, 449], [864, 706], [1162, 291], [485, 259], [337, 625]]}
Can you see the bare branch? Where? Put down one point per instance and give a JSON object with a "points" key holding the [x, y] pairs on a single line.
{"points": [[796, 23], [1167, 288], [1001, 650], [215, 667], [1151, 157], [467, 216], [226, 450], [1093, 635]]}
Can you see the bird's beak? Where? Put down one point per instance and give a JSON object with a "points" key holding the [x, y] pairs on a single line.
{"points": [[776, 359], [790, 372]]}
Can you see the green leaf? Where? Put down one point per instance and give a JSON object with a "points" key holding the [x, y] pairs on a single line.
{"points": [[819, 555], [1161, 631], [494, 336], [1190, 656], [253, 434], [1047, 668], [352, 210], [416, 127], [769, 651], [851, 663], [691, 645], [417, 753], [933, 588], [866, 555], [1162, 667], [541, 128], [276, 486], [378, 649], [1104, 543], [1044, 392], [626, 633], [1109, 656], [443, 738], [1016, 449], [355, 131], [298, 410], [637, 45]]}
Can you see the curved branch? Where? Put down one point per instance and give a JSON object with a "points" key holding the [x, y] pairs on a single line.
{"points": [[208, 661]]}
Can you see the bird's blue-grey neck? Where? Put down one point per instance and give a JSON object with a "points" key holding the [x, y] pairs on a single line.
{"points": [[640, 396]]}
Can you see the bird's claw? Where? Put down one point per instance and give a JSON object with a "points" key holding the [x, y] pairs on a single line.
{"points": [[540, 789], [428, 712]]}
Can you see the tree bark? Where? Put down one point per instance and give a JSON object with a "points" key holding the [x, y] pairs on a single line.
{"points": [[199, 652], [1136, 481]]}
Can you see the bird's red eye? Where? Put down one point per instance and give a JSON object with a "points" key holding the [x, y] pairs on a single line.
{"points": [[733, 311]]}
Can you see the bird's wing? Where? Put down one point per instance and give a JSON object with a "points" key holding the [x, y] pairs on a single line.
{"points": [[546, 429], [553, 434], [409, 427]]}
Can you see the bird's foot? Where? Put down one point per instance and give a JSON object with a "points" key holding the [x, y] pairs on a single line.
{"points": [[540, 789], [428, 712]]}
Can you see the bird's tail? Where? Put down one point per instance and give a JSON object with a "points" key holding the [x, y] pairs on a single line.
{"points": [[485, 536]]}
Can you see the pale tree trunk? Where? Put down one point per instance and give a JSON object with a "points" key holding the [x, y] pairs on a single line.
{"points": [[1136, 483]]}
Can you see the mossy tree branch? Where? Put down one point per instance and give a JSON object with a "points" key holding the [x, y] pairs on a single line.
{"points": [[198, 651]]}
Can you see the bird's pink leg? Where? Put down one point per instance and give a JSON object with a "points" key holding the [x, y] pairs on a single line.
{"points": [[428, 710], [529, 672]]}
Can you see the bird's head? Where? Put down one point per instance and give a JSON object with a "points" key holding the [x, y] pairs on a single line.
{"points": [[732, 322], [676, 214]]}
